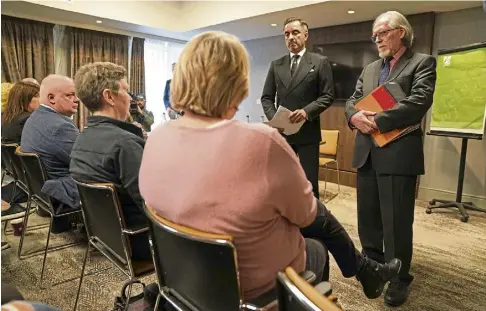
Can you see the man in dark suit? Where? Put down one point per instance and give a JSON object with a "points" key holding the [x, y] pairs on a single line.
{"points": [[387, 176], [302, 83], [51, 133]]}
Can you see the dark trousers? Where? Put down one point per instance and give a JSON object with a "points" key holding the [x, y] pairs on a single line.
{"points": [[327, 229], [309, 159], [386, 205]]}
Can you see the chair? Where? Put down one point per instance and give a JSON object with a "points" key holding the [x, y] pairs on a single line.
{"points": [[20, 180], [108, 233], [295, 294], [7, 169], [35, 177], [198, 271], [328, 151]]}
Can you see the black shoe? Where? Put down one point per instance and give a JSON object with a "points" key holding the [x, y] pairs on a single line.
{"points": [[15, 211], [150, 293], [396, 294], [373, 276]]}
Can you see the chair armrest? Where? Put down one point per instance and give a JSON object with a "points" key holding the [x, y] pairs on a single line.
{"points": [[135, 229], [266, 301], [324, 288], [322, 142], [309, 276]]}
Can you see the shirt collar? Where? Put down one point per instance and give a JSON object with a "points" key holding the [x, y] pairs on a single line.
{"points": [[301, 53], [94, 120], [49, 107], [399, 53]]}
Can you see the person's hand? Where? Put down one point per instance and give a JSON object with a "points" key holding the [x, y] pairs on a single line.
{"points": [[364, 121], [139, 110], [137, 124], [297, 116]]}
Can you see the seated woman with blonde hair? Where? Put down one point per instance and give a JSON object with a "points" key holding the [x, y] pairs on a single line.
{"points": [[224, 176]]}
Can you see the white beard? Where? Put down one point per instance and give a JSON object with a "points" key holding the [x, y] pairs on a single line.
{"points": [[384, 54]]}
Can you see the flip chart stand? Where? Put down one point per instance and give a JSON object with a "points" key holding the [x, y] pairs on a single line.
{"points": [[461, 206]]}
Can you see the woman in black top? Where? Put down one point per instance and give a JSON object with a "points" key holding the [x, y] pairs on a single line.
{"points": [[23, 99]]}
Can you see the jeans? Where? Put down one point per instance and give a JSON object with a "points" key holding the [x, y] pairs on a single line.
{"points": [[327, 229]]}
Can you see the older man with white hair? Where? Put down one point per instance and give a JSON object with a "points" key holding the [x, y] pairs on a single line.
{"points": [[387, 176], [51, 133]]}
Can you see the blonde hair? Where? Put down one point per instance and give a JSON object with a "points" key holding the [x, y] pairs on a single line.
{"points": [[397, 20], [6, 87], [91, 79], [211, 75]]}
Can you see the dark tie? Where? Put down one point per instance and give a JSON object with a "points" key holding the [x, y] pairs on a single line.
{"points": [[295, 63], [385, 70]]}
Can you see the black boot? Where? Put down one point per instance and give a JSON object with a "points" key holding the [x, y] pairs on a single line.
{"points": [[373, 276]]}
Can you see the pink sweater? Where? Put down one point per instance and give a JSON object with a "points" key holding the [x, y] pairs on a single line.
{"points": [[238, 179]]}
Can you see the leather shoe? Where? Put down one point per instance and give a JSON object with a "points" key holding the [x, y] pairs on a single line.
{"points": [[373, 276], [396, 294]]}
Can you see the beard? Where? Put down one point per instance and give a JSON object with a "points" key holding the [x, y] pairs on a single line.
{"points": [[385, 53]]}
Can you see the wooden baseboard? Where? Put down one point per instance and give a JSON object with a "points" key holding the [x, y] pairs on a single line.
{"points": [[346, 178]]}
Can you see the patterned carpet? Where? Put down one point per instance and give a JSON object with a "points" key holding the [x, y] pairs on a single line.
{"points": [[449, 265]]}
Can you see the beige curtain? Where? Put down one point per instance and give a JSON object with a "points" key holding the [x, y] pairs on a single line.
{"points": [[88, 46], [137, 66], [27, 49]]}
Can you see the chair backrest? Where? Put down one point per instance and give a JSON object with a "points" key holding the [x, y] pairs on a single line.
{"points": [[295, 294], [331, 139], [199, 268], [7, 161], [16, 164], [103, 218], [35, 174]]}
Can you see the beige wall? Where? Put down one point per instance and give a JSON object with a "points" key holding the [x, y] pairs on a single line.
{"points": [[442, 154]]}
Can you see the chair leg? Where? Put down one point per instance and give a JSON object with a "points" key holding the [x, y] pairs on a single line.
{"points": [[339, 183], [127, 305], [45, 251], [325, 183], [26, 220], [157, 302], [86, 255]]}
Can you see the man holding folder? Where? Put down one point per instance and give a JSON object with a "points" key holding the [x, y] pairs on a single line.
{"points": [[302, 82], [387, 175]]}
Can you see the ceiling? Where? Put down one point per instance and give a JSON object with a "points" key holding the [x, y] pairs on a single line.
{"points": [[183, 19]]}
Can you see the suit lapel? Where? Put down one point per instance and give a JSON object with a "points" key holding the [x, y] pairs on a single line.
{"points": [[303, 69], [283, 71], [376, 74], [400, 65]]}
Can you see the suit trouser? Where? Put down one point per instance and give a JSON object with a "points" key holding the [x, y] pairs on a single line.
{"points": [[309, 159], [326, 229], [386, 205]]}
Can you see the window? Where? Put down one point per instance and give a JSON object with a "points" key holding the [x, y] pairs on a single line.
{"points": [[158, 56]]}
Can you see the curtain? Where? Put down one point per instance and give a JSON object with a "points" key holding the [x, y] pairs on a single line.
{"points": [[88, 46], [137, 66], [27, 49], [159, 56]]}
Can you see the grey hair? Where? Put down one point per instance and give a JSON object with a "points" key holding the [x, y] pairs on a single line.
{"points": [[396, 19]]}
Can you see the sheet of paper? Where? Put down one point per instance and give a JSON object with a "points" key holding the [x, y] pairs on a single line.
{"points": [[281, 120]]}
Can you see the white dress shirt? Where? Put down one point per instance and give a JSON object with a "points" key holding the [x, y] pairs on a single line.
{"points": [[301, 53]]}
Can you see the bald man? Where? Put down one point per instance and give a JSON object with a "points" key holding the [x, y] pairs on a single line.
{"points": [[51, 133]]}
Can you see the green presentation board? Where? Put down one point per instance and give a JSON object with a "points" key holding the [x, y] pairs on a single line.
{"points": [[460, 91]]}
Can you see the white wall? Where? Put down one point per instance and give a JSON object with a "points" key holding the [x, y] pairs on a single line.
{"points": [[262, 52], [442, 154]]}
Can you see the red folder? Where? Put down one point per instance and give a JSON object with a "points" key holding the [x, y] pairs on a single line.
{"points": [[382, 98]]}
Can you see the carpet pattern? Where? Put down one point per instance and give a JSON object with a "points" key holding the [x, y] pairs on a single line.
{"points": [[449, 265]]}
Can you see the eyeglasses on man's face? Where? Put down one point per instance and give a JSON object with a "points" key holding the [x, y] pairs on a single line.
{"points": [[380, 34]]}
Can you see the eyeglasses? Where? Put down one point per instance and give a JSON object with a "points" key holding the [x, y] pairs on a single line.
{"points": [[380, 34]]}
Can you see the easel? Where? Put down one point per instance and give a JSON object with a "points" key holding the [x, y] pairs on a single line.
{"points": [[461, 206]]}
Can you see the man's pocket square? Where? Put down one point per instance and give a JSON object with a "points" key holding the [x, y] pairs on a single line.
{"points": [[312, 70]]}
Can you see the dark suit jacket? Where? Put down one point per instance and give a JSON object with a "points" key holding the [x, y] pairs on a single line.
{"points": [[52, 136], [416, 75], [311, 89], [12, 131], [167, 94]]}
